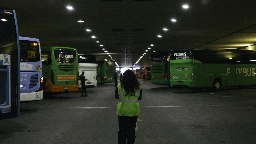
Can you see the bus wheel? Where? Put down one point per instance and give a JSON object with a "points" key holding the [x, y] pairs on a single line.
{"points": [[217, 84]]}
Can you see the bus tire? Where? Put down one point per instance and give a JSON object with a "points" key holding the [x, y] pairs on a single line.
{"points": [[217, 84]]}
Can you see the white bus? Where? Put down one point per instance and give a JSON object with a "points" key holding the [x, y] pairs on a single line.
{"points": [[30, 69], [88, 65]]}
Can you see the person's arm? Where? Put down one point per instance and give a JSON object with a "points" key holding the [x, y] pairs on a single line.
{"points": [[116, 93], [140, 97]]}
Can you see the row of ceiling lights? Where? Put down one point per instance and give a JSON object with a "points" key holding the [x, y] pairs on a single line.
{"points": [[173, 20], [71, 8]]}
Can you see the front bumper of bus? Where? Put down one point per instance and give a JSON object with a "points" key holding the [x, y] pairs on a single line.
{"points": [[178, 83], [31, 96], [159, 81], [63, 88]]}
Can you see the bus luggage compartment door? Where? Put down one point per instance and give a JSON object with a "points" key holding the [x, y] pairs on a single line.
{"points": [[5, 91]]}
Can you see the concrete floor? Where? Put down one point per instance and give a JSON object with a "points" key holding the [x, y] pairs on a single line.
{"points": [[168, 116]]}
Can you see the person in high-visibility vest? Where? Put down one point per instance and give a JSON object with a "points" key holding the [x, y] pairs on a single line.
{"points": [[128, 92]]}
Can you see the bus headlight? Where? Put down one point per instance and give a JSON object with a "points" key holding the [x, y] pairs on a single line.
{"points": [[22, 86], [41, 79]]}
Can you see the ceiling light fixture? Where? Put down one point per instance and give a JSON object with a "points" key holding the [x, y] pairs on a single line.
{"points": [[185, 6], [88, 30], [173, 20], [159, 36], [165, 29], [3, 20], [80, 21], [69, 7]]}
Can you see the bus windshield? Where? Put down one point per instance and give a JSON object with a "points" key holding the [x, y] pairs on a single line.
{"points": [[65, 56], [29, 51]]}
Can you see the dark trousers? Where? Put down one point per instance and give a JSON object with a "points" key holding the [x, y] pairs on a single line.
{"points": [[126, 129], [83, 90]]}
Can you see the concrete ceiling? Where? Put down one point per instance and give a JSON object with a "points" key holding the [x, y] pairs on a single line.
{"points": [[127, 28]]}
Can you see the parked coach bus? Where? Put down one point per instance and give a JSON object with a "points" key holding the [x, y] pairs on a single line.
{"points": [[212, 69], [160, 67], [60, 69], [9, 64], [88, 65], [30, 69], [106, 71]]}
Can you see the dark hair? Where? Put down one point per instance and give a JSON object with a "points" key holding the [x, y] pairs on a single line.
{"points": [[129, 82]]}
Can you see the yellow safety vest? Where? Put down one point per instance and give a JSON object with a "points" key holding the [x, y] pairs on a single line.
{"points": [[127, 105]]}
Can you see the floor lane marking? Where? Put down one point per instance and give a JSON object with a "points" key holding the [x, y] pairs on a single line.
{"points": [[166, 106], [162, 106], [92, 107]]}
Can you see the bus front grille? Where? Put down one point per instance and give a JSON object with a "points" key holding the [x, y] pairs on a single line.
{"points": [[33, 81], [66, 67]]}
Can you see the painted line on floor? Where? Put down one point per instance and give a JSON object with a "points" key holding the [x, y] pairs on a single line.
{"points": [[155, 106], [162, 106], [113, 107], [92, 107]]}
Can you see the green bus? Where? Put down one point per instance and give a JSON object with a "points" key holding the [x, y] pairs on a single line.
{"points": [[60, 69], [212, 68], [160, 67], [105, 71]]}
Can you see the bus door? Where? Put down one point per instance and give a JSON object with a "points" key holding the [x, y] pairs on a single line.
{"points": [[5, 95]]}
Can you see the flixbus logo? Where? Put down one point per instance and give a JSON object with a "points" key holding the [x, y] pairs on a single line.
{"points": [[180, 54], [245, 71]]}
